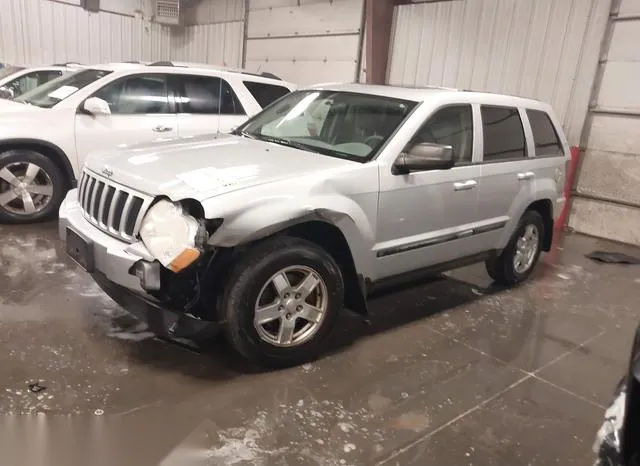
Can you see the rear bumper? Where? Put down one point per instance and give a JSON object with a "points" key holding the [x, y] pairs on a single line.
{"points": [[559, 209]]}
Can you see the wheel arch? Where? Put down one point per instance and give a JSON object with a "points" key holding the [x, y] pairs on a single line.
{"points": [[330, 238], [545, 208], [338, 233], [49, 150]]}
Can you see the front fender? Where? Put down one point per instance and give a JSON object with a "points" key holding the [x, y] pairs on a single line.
{"points": [[269, 216]]}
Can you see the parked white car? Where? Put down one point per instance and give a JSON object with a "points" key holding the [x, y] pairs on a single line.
{"points": [[46, 134], [17, 80]]}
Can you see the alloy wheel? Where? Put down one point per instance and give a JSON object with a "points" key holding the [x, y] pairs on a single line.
{"points": [[291, 306], [25, 188], [526, 249]]}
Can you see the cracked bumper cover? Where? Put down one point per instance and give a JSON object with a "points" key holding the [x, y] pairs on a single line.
{"points": [[111, 261]]}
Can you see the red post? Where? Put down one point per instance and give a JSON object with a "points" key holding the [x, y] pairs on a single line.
{"points": [[561, 222], [379, 23]]}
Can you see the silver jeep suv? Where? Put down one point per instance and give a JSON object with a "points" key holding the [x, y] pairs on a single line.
{"points": [[326, 195]]}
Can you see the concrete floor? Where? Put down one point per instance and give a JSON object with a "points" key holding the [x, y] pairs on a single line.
{"points": [[448, 373]]}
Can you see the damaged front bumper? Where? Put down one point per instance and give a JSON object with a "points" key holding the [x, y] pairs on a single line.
{"points": [[618, 440], [125, 272]]}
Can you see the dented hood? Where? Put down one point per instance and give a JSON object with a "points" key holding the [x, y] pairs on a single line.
{"points": [[205, 166]]}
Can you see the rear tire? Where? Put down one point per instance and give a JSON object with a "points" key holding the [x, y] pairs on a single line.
{"points": [[32, 187], [519, 258], [269, 317]]}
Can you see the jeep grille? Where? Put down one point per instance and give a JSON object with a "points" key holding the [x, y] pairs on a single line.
{"points": [[111, 207]]}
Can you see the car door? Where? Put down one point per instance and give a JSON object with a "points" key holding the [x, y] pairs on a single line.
{"points": [[506, 182], [427, 218], [207, 104], [141, 111]]}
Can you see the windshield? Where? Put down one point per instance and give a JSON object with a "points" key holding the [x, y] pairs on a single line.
{"points": [[339, 124], [9, 70], [54, 92]]}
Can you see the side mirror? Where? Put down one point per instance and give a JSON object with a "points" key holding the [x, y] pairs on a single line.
{"points": [[7, 93], [422, 157], [96, 106]]}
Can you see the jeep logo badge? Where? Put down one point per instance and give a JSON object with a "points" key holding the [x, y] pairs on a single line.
{"points": [[106, 171]]}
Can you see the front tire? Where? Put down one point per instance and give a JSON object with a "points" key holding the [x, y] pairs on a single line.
{"points": [[281, 301], [32, 187], [519, 258]]}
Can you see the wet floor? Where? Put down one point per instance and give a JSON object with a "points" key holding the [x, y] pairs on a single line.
{"points": [[446, 372]]}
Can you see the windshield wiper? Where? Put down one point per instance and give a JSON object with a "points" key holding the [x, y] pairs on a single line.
{"points": [[288, 143], [244, 134]]}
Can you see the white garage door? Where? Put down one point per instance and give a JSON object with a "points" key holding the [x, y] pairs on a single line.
{"points": [[608, 198], [305, 41]]}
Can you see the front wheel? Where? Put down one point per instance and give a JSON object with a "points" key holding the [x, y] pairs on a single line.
{"points": [[281, 301], [520, 256], [31, 187]]}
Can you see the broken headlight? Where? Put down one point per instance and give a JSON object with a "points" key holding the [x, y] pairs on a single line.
{"points": [[170, 233]]}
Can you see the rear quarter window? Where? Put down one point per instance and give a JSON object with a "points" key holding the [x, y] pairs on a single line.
{"points": [[545, 136], [264, 93]]}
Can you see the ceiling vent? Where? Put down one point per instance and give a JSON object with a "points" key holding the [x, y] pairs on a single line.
{"points": [[168, 12]]}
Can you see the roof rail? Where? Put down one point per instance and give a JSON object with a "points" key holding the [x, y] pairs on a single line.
{"points": [[428, 86], [264, 74], [161, 63]]}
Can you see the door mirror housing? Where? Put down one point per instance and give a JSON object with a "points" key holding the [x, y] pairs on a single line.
{"points": [[423, 157], [96, 106], [7, 93]]}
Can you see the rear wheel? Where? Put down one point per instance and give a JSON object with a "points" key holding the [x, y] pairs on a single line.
{"points": [[281, 301], [519, 258], [31, 187]]}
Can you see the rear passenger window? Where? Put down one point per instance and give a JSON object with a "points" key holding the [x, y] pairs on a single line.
{"points": [[450, 126], [265, 93], [208, 95], [544, 134], [503, 134]]}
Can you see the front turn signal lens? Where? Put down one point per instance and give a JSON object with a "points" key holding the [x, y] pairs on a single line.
{"points": [[184, 260]]}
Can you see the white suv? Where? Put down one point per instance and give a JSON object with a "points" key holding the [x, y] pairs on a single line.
{"points": [[47, 133]]}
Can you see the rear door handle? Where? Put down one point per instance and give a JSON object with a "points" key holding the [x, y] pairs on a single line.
{"points": [[162, 129], [526, 176], [461, 186]]}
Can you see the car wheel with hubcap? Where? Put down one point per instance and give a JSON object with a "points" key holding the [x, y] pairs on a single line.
{"points": [[281, 301], [520, 256], [31, 187]]}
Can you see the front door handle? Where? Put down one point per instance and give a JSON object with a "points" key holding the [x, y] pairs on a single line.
{"points": [[469, 184], [162, 129], [526, 176]]}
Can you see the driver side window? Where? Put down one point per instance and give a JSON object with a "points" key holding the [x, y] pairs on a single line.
{"points": [[450, 126], [135, 95]]}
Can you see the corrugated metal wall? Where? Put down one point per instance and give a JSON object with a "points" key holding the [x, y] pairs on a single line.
{"points": [[215, 11], [545, 49], [42, 32], [608, 189], [305, 41]]}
